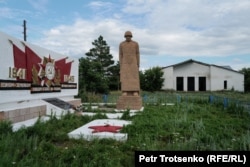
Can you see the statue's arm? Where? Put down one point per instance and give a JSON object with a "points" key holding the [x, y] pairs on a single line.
{"points": [[120, 54], [138, 54]]}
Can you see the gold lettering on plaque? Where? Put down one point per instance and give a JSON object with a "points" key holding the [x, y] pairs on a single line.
{"points": [[17, 72]]}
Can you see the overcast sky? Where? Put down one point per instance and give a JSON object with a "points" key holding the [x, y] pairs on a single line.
{"points": [[168, 31]]}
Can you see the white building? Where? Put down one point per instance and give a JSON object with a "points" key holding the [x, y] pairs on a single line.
{"points": [[193, 75]]}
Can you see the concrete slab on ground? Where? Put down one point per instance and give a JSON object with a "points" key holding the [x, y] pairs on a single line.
{"points": [[109, 115], [130, 110], [28, 123], [84, 132]]}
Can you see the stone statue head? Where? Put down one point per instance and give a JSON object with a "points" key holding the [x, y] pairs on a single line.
{"points": [[128, 36]]}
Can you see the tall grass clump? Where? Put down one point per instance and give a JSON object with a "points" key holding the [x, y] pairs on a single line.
{"points": [[193, 123]]}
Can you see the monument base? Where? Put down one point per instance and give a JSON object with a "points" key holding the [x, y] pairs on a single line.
{"points": [[129, 102], [20, 111]]}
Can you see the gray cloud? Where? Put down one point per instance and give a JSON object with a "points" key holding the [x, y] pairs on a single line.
{"points": [[190, 28]]}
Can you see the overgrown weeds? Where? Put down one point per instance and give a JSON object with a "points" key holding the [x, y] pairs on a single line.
{"points": [[184, 126]]}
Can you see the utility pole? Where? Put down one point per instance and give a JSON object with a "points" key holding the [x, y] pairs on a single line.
{"points": [[24, 30]]}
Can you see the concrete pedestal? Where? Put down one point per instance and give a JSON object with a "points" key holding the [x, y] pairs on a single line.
{"points": [[129, 102]]}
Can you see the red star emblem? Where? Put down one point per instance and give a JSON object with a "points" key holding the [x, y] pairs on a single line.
{"points": [[105, 128], [43, 73]]}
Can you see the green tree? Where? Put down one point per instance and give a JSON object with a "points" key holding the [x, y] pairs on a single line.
{"points": [[152, 79], [246, 72], [90, 78], [101, 54], [142, 80], [94, 68], [114, 77]]}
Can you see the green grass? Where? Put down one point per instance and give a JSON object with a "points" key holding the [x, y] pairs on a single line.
{"points": [[192, 125]]}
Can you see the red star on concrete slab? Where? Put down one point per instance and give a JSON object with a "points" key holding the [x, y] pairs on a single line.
{"points": [[105, 128]]}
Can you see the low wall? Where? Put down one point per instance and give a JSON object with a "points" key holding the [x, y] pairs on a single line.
{"points": [[18, 112], [23, 114]]}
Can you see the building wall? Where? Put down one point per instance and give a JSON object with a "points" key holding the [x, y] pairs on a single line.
{"points": [[168, 83], [192, 70], [215, 77], [234, 80]]}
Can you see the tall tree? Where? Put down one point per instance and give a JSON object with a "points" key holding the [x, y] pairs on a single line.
{"points": [[89, 77], [101, 54], [246, 72], [93, 70], [142, 80], [114, 77], [152, 79]]}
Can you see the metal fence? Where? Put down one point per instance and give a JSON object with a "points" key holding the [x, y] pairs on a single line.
{"points": [[175, 98]]}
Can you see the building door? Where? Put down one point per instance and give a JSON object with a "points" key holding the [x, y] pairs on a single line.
{"points": [[225, 84], [202, 83], [179, 83], [190, 84]]}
